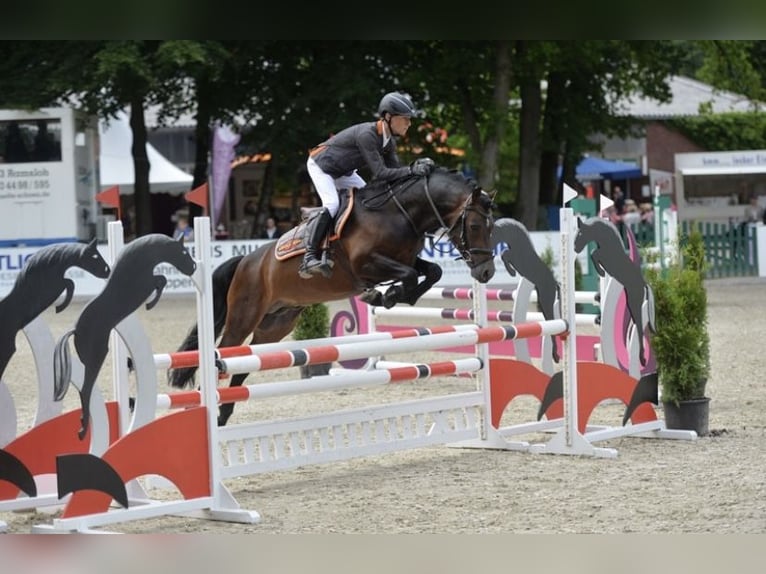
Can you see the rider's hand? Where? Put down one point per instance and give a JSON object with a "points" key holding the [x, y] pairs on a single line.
{"points": [[422, 166]]}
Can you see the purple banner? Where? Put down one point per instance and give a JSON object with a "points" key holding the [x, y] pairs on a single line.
{"points": [[224, 141]]}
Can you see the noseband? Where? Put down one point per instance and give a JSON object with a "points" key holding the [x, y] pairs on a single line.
{"points": [[466, 251]]}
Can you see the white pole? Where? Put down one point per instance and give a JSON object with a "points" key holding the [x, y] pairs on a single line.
{"points": [[203, 278], [569, 360], [120, 373]]}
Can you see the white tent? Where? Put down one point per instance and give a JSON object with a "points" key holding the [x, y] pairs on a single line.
{"points": [[116, 162]]}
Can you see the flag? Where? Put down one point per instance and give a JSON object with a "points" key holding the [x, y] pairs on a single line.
{"points": [[111, 197], [198, 196], [224, 142]]}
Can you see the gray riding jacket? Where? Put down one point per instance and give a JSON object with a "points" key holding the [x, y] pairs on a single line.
{"points": [[358, 146]]}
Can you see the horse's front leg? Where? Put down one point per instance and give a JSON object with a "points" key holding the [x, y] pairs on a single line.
{"points": [[431, 273], [159, 286], [380, 269]]}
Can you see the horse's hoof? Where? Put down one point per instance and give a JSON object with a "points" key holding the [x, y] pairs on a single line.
{"points": [[372, 297], [392, 296]]}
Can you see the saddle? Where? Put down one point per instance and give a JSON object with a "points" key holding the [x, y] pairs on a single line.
{"points": [[293, 242]]}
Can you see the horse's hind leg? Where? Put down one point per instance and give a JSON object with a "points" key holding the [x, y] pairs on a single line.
{"points": [[273, 327], [227, 409]]}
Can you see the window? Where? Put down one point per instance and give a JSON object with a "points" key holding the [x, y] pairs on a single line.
{"points": [[30, 140]]}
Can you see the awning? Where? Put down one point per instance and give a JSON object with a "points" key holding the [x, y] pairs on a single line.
{"points": [[592, 168], [724, 170], [116, 162]]}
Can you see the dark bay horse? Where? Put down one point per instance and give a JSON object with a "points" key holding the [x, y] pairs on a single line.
{"points": [[382, 238]]}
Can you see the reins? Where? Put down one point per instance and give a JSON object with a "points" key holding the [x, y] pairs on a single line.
{"points": [[466, 252]]}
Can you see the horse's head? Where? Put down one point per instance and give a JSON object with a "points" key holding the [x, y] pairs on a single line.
{"points": [[583, 236], [471, 230], [92, 261]]}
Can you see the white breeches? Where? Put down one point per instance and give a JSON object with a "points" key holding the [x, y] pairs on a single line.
{"points": [[327, 186]]}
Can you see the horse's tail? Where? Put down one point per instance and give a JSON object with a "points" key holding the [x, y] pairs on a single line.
{"points": [[650, 307], [62, 367], [222, 278]]}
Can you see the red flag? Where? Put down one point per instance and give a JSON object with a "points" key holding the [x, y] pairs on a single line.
{"points": [[111, 197], [198, 196]]}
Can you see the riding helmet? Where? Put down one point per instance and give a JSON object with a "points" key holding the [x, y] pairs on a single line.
{"points": [[396, 104]]}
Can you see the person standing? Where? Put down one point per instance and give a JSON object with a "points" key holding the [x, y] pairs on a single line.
{"points": [[271, 231], [183, 230]]}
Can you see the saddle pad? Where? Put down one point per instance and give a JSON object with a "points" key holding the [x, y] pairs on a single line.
{"points": [[293, 242]]}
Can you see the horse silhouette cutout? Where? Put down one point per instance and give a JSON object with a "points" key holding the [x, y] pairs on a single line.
{"points": [[131, 283], [609, 257], [383, 235], [39, 284], [521, 257]]}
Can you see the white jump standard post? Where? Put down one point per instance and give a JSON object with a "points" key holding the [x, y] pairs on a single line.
{"points": [[568, 439]]}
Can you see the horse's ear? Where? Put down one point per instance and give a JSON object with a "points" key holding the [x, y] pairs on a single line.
{"points": [[180, 238], [579, 222], [93, 243]]}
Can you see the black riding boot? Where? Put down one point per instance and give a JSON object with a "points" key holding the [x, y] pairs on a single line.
{"points": [[312, 262]]}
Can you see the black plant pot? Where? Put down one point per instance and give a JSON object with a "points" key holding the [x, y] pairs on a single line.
{"points": [[688, 415], [308, 371]]}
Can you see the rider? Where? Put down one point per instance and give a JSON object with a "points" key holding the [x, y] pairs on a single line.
{"points": [[333, 165]]}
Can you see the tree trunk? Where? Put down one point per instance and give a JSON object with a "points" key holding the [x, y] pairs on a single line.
{"points": [[529, 149], [491, 149], [202, 138], [552, 143], [141, 188]]}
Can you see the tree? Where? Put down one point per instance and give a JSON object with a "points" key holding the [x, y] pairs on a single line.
{"points": [[586, 81]]}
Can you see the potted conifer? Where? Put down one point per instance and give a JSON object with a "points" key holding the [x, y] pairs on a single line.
{"points": [[681, 345], [313, 323]]}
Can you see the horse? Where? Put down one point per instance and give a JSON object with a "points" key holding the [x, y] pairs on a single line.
{"points": [[130, 284], [384, 230], [39, 284], [521, 256], [609, 257]]}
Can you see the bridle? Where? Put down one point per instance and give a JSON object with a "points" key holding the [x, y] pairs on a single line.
{"points": [[467, 252]]}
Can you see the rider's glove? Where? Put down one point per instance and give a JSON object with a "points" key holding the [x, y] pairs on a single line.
{"points": [[422, 166]]}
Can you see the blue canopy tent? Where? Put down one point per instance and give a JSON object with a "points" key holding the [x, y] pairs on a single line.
{"points": [[597, 168], [592, 168]]}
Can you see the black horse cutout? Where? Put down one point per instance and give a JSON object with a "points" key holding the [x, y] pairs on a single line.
{"points": [[522, 257], [131, 283], [610, 257], [39, 284], [262, 296]]}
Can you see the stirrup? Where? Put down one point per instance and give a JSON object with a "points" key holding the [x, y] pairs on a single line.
{"points": [[316, 266], [310, 268]]}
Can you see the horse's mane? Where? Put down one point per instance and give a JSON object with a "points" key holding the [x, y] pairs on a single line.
{"points": [[403, 183]]}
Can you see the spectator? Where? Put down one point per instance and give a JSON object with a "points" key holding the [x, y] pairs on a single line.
{"points": [[182, 227], [619, 200], [754, 212], [271, 231]]}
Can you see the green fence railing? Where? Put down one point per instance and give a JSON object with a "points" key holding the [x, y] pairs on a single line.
{"points": [[731, 250]]}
